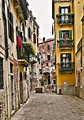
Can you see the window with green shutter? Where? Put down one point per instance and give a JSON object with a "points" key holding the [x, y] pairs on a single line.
{"points": [[65, 60], [64, 10], [65, 57], [65, 34]]}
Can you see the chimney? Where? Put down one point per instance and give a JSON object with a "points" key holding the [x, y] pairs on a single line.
{"points": [[43, 39], [34, 18]]}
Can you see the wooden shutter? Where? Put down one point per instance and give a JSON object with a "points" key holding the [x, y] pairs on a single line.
{"points": [[59, 9], [69, 9], [34, 38], [69, 57], [60, 34], [11, 27], [70, 34], [61, 57], [3, 6]]}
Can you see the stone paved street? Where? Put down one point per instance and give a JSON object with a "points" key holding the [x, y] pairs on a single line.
{"points": [[49, 106]]}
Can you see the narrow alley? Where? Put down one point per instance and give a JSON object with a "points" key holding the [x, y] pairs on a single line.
{"points": [[49, 106]]}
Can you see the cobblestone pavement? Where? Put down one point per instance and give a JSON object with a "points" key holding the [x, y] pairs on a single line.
{"points": [[49, 106]]}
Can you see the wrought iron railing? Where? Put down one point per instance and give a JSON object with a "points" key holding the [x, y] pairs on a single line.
{"points": [[65, 44], [66, 67], [65, 19]]}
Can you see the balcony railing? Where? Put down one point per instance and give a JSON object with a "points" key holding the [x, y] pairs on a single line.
{"points": [[66, 67], [21, 7], [23, 4], [65, 19], [33, 59], [65, 44], [22, 58]]}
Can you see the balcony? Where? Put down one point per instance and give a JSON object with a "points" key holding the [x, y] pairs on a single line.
{"points": [[22, 58], [65, 19], [46, 70], [21, 9], [33, 59], [65, 44], [23, 4], [66, 67], [24, 50]]}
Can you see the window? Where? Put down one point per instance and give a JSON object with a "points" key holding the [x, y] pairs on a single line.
{"points": [[46, 64], [23, 27], [39, 60], [29, 32], [53, 46], [40, 71], [12, 86], [64, 10], [20, 75], [65, 34], [11, 68], [48, 79], [66, 60], [37, 31], [3, 6], [48, 47], [34, 38], [1, 73], [48, 57], [54, 81], [12, 94]]}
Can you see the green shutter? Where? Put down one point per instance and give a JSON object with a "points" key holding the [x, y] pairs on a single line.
{"points": [[61, 57], [69, 56], [59, 9], [69, 9], [69, 17], [70, 34], [60, 34]]}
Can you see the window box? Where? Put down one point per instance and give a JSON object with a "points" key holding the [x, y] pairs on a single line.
{"points": [[66, 69], [65, 44], [65, 16]]}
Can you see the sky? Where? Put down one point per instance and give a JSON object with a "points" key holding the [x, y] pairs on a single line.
{"points": [[42, 10]]}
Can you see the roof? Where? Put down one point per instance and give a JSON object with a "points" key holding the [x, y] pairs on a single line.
{"points": [[48, 40]]}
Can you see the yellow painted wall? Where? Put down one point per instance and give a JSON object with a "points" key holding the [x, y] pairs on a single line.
{"points": [[61, 78], [78, 10]]}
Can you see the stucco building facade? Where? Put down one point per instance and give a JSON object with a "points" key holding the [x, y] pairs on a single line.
{"points": [[70, 17], [18, 55], [79, 43], [47, 51], [62, 12]]}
